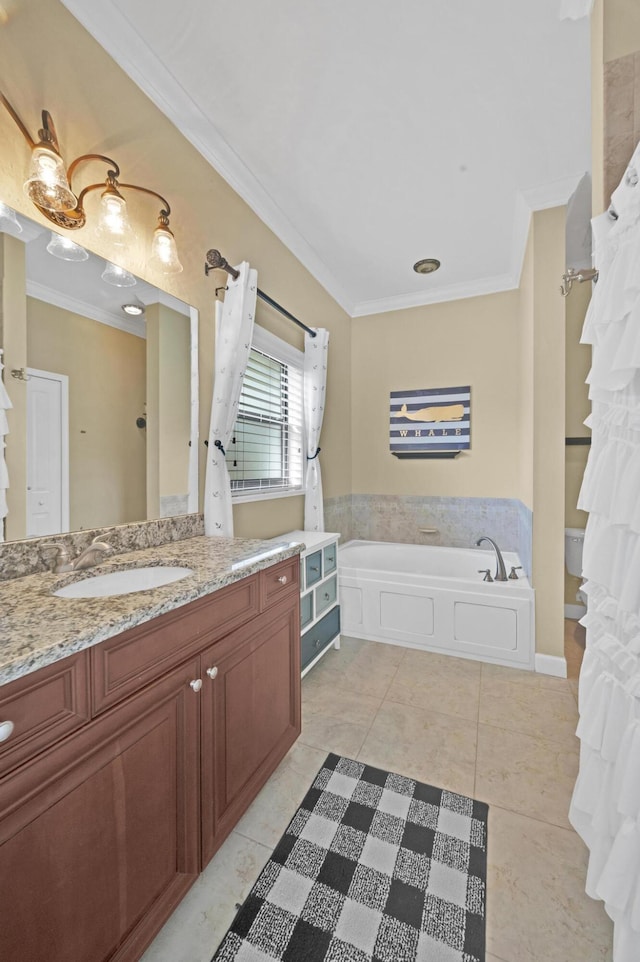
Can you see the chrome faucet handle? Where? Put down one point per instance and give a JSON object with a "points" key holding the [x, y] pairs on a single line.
{"points": [[486, 572], [62, 560], [512, 574]]}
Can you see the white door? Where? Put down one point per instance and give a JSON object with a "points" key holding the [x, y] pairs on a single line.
{"points": [[47, 453]]}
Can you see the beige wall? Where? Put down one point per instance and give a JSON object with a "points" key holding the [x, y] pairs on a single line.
{"points": [[14, 342], [168, 407], [472, 341], [97, 108], [621, 28], [548, 238], [106, 371]]}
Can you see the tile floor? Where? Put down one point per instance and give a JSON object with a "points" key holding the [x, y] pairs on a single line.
{"points": [[501, 735]]}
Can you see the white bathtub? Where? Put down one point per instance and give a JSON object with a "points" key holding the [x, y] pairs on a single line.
{"points": [[433, 598]]}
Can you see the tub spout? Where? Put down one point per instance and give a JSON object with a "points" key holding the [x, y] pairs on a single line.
{"points": [[501, 573]]}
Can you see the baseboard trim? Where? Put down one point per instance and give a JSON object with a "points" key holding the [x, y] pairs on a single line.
{"points": [[575, 612], [551, 665]]}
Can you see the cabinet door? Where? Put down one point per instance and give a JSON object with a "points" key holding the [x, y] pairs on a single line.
{"points": [[250, 715], [99, 835]]}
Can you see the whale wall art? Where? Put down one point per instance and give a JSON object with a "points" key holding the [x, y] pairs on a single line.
{"points": [[430, 420]]}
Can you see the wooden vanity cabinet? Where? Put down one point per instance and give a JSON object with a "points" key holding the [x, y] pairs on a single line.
{"points": [[103, 829], [99, 835], [250, 716]]}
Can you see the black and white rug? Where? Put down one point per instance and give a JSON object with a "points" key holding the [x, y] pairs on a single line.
{"points": [[374, 867]]}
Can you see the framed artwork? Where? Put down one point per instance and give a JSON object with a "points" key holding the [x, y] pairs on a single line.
{"points": [[434, 422]]}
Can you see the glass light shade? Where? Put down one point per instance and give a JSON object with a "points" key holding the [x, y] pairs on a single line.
{"points": [[47, 184], [117, 276], [9, 220], [164, 253], [113, 220], [66, 249]]}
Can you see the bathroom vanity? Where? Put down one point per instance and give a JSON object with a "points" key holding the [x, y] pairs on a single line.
{"points": [[131, 759]]}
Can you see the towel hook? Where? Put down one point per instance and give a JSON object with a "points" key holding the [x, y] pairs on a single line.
{"points": [[581, 275]]}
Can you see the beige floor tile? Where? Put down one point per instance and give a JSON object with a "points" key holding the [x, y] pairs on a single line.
{"points": [[525, 774], [534, 711], [430, 746], [497, 679], [367, 670], [198, 925], [537, 910], [268, 816], [333, 734], [427, 680], [349, 705], [573, 685]]}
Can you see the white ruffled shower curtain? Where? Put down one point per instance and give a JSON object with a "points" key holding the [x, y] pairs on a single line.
{"points": [[315, 385], [605, 808], [234, 331], [5, 404]]}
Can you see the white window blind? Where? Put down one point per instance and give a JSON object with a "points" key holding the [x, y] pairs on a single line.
{"points": [[266, 450]]}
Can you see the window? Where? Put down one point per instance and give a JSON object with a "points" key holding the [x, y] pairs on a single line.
{"points": [[265, 455]]}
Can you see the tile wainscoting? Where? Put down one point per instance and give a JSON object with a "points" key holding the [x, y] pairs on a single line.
{"points": [[459, 521]]}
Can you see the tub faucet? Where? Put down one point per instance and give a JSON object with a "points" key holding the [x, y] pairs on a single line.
{"points": [[501, 573]]}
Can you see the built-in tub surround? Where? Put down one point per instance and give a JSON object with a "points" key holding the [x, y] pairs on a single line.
{"points": [[459, 522], [435, 598], [20, 558], [37, 628]]}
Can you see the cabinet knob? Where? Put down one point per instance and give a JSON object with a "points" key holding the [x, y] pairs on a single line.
{"points": [[196, 684], [6, 730], [283, 579], [327, 596], [317, 643], [212, 672], [313, 568]]}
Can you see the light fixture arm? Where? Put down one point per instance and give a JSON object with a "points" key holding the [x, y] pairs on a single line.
{"points": [[25, 133], [107, 160]]}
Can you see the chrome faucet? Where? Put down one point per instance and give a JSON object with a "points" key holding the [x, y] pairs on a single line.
{"points": [[92, 554], [88, 557], [501, 573]]}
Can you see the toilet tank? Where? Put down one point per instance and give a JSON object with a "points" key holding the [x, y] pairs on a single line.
{"points": [[573, 544]]}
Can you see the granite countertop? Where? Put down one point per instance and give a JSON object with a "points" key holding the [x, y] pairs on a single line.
{"points": [[37, 628]]}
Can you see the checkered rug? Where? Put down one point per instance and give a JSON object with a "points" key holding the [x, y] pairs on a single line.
{"points": [[374, 867]]}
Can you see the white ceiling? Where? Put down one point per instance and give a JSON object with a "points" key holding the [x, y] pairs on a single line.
{"points": [[368, 135]]}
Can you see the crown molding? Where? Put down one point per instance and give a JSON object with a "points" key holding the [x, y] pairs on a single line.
{"points": [[117, 35], [454, 292], [66, 302]]}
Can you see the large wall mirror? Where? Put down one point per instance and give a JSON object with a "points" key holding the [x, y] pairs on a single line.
{"points": [[106, 397]]}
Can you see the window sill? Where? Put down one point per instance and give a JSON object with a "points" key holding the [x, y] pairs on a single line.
{"points": [[267, 495]]}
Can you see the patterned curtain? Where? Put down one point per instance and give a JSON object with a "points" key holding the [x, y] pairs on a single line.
{"points": [[5, 404], [234, 330], [315, 384], [605, 808]]}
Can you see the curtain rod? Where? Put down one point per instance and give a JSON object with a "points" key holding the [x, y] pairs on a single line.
{"points": [[215, 261]]}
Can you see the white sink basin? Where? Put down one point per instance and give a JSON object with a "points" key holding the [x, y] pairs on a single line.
{"points": [[123, 582]]}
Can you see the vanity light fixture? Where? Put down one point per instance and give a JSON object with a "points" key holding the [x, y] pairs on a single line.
{"points": [[117, 276], [49, 187], [65, 249]]}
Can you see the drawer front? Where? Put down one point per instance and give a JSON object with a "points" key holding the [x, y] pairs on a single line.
{"points": [[313, 568], [326, 594], [330, 557], [278, 581], [43, 707], [306, 609], [127, 662], [320, 636]]}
